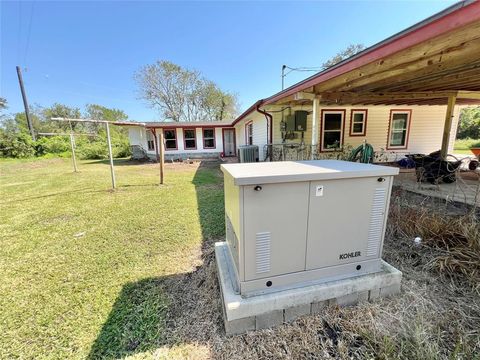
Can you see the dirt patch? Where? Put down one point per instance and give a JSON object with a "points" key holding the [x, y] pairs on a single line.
{"points": [[436, 316]]}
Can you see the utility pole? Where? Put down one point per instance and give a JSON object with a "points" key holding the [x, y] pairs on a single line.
{"points": [[283, 76], [25, 102]]}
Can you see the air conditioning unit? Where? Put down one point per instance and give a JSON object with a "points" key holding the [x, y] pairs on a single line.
{"points": [[292, 224], [248, 153]]}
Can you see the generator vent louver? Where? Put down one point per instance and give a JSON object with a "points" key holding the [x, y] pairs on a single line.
{"points": [[376, 222], [262, 252]]}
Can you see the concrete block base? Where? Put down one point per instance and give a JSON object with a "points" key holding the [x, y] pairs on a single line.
{"points": [[264, 311]]}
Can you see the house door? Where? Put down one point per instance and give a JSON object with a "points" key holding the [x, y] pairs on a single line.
{"points": [[229, 142], [332, 130]]}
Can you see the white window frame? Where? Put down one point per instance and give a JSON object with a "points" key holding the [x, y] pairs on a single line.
{"points": [[150, 141], [249, 133], [167, 140], [363, 122], [185, 139], [326, 112], [406, 129], [209, 138]]}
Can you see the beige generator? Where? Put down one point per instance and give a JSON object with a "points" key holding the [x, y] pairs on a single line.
{"points": [[296, 223]]}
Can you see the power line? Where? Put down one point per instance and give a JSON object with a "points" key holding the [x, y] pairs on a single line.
{"points": [[302, 69], [29, 31]]}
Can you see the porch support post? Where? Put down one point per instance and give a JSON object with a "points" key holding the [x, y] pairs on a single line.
{"points": [[315, 122], [448, 125]]}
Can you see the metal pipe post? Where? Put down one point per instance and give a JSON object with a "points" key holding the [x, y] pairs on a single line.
{"points": [[110, 155], [72, 144]]}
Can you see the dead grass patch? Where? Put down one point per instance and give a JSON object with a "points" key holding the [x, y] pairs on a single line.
{"points": [[435, 317], [455, 237]]}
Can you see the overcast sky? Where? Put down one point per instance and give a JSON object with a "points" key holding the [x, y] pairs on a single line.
{"points": [[87, 52]]}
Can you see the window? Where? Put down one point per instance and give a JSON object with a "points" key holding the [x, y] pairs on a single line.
{"points": [[170, 139], [249, 133], [399, 129], [150, 141], [332, 130], [209, 138], [358, 122], [190, 139]]}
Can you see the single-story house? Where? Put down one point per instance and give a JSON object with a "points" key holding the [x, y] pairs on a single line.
{"points": [[402, 95], [182, 140]]}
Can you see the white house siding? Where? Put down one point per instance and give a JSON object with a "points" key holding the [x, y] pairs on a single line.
{"points": [[426, 127], [138, 136], [200, 151], [260, 131]]}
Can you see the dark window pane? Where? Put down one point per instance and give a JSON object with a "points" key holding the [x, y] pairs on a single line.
{"points": [[189, 134], [208, 133], [171, 144], [190, 144], [170, 134], [331, 139], [208, 143], [358, 117], [333, 121], [358, 128]]}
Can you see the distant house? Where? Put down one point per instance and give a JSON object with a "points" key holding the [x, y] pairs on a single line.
{"points": [[182, 140], [402, 95]]}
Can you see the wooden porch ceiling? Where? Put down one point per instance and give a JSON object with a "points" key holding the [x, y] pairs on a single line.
{"points": [[425, 74]]}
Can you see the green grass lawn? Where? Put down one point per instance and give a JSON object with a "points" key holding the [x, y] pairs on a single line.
{"points": [[463, 146], [81, 266]]}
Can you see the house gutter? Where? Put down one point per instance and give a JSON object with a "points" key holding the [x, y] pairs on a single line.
{"points": [[269, 119]]}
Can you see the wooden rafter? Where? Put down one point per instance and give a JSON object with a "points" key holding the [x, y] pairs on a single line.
{"points": [[432, 60]]}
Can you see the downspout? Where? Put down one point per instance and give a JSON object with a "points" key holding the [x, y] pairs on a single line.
{"points": [[269, 119]]}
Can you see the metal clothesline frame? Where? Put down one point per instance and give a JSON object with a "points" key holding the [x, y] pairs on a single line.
{"points": [[109, 142], [72, 143], [160, 155]]}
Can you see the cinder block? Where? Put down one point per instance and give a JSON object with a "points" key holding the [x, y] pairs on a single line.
{"points": [[374, 294], [239, 326], [348, 300], [390, 290], [318, 306], [268, 320], [294, 312]]}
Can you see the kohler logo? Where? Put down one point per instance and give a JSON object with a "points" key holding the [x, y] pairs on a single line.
{"points": [[349, 255]]}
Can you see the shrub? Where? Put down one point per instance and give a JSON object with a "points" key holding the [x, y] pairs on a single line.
{"points": [[92, 150], [52, 145], [121, 148], [16, 145]]}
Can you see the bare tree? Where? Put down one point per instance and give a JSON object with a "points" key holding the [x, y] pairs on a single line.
{"points": [[184, 95], [350, 50]]}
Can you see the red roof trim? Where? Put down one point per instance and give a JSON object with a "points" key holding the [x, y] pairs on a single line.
{"points": [[455, 19], [455, 16]]}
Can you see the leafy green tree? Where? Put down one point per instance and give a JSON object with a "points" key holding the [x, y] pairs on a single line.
{"points": [[469, 124], [181, 94], [15, 140], [62, 111]]}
